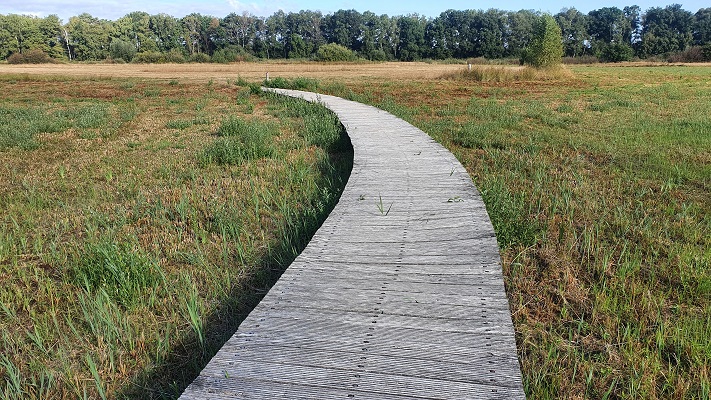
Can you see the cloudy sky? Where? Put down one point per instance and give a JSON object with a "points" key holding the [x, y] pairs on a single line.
{"points": [[114, 9]]}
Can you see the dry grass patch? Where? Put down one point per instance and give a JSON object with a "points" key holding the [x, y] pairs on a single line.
{"points": [[253, 71], [501, 74]]}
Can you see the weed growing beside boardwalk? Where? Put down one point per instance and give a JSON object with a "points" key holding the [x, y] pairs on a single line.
{"points": [[599, 187], [141, 220]]}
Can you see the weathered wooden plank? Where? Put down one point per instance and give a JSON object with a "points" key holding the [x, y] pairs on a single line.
{"points": [[399, 295], [332, 378]]}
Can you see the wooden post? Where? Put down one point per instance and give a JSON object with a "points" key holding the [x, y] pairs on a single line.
{"points": [[267, 77]]}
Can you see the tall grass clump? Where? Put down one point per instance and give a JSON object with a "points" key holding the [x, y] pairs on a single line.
{"points": [[298, 83], [19, 126], [241, 141], [505, 74], [121, 270], [321, 126], [509, 213]]}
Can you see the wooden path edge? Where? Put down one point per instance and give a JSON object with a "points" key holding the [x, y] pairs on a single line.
{"points": [[399, 294]]}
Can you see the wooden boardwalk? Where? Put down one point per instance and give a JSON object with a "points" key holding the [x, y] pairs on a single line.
{"points": [[399, 294]]}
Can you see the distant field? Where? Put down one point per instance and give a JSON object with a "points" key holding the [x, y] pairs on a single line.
{"points": [[598, 182], [251, 71]]}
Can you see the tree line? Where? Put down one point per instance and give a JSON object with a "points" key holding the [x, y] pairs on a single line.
{"points": [[610, 33]]}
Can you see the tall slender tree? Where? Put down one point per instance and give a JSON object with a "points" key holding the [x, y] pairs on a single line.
{"points": [[546, 48]]}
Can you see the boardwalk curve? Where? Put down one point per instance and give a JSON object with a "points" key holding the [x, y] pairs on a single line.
{"points": [[398, 295]]}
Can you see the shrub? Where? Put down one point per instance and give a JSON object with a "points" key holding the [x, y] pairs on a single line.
{"points": [[230, 54], [200, 58], [333, 52], [546, 49], [149, 57], [120, 49], [174, 56], [706, 51], [378, 55], [616, 52], [224, 56], [690, 55], [31, 57]]}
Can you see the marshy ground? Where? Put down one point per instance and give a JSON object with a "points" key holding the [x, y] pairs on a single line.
{"points": [[598, 182]]}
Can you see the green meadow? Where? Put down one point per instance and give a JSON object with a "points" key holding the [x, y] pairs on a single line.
{"points": [[140, 216], [141, 221], [598, 182]]}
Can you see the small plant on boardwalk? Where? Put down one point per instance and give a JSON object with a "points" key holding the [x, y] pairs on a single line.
{"points": [[381, 206]]}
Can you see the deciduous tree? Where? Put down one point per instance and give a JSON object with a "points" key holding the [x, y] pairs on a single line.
{"points": [[546, 48]]}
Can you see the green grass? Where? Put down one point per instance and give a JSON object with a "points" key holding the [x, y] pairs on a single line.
{"points": [[241, 141], [119, 270], [126, 260], [599, 187], [299, 83]]}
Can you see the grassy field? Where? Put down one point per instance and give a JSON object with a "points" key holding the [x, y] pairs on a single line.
{"points": [[141, 219], [598, 182]]}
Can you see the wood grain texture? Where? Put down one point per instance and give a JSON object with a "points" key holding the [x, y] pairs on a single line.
{"points": [[399, 295]]}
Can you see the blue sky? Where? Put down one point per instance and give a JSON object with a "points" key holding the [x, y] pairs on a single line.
{"points": [[114, 9]]}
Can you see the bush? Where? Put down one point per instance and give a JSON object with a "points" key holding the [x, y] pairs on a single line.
{"points": [[149, 57], [200, 58], [690, 55], [378, 55], [230, 54], [175, 56], [616, 52], [333, 52], [31, 57], [706, 51], [546, 49], [122, 50]]}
